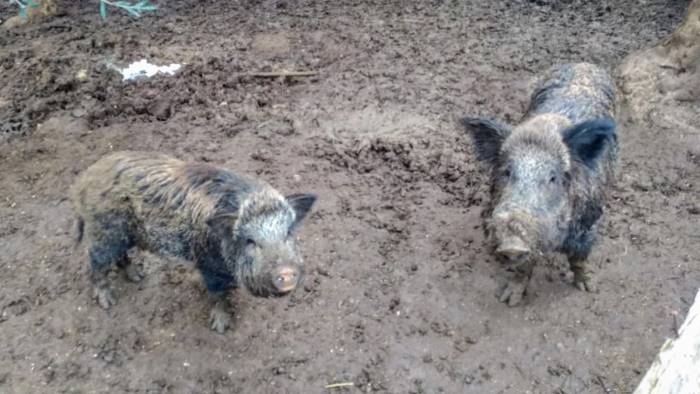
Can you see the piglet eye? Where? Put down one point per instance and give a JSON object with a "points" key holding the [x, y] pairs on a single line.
{"points": [[249, 242], [552, 179], [506, 173]]}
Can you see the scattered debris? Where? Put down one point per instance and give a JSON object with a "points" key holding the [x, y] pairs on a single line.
{"points": [[143, 68], [81, 75]]}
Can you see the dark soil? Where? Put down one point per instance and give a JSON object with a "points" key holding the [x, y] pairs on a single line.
{"points": [[401, 292]]}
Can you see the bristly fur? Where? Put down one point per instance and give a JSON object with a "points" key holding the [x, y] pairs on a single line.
{"points": [[539, 133], [167, 206], [569, 121], [580, 92]]}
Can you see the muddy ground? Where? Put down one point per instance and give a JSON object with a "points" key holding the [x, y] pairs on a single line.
{"points": [[400, 296]]}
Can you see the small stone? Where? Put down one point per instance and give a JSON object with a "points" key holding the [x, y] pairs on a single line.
{"points": [[161, 109], [82, 75], [14, 22], [79, 113], [643, 184]]}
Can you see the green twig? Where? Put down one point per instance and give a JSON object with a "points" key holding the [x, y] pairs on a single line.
{"points": [[135, 9], [23, 4]]}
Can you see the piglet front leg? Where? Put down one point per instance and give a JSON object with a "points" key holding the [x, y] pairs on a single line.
{"points": [[220, 315], [517, 281], [583, 275]]}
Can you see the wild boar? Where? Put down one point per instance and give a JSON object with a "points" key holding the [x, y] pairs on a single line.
{"points": [[550, 173], [237, 231]]}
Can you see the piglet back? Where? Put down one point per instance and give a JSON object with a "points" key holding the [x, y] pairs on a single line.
{"points": [[579, 91]]}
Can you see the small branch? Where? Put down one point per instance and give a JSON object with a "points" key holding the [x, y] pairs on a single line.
{"points": [[520, 371], [675, 323], [602, 384], [277, 74], [339, 385]]}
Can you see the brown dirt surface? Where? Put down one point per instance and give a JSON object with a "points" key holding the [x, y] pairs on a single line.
{"points": [[400, 297]]}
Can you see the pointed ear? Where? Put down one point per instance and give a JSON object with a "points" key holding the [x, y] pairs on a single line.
{"points": [[222, 224], [587, 140], [301, 204], [488, 136]]}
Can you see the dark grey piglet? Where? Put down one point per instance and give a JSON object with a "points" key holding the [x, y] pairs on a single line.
{"points": [[236, 230], [550, 173]]}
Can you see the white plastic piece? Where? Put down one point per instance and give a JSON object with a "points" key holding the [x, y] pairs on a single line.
{"points": [[143, 68]]}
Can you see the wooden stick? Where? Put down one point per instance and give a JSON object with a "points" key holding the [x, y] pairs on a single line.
{"points": [[602, 384], [339, 385], [285, 74]]}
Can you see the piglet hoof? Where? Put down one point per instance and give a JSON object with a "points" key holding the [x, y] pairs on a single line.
{"points": [[219, 319], [584, 281], [513, 292], [104, 297], [133, 273]]}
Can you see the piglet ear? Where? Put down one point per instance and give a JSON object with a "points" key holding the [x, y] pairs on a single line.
{"points": [[222, 224], [301, 204], [488, 136], [588, 140]]}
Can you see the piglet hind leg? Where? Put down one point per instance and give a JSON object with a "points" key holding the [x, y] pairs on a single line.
{"points": [[110, 242], [518, 278]]}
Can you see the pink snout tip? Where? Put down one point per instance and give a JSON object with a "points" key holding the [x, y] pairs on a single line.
{"points": [[286, 279], [513, 249]]}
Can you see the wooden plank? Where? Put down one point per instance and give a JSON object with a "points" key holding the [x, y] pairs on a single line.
{"points": [[676, 369]]}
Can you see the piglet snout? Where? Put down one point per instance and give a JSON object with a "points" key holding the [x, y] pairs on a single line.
{"points": [[513, 249], [286, 278]]}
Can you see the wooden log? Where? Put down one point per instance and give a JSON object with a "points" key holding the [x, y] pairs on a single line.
{"points": [[676, 369], [660, 85]]}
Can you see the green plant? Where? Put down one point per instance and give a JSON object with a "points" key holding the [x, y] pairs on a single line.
{"points": [[135, 9], [23, 4]]}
